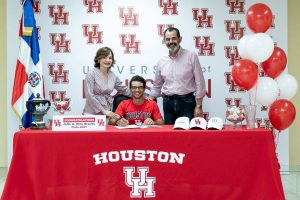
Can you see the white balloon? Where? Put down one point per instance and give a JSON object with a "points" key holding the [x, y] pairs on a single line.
{"points": [[267, 91], [260, 47], [242, 46], [288, 86]]}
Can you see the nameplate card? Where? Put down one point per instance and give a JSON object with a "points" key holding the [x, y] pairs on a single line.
{"points": [[79, 123]]}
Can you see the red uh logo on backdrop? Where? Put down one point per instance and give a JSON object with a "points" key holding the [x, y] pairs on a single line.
{"points": [[38, 29], [60, 102], [93, 5], [37, 8], [141, 184], [161, 28], [206, 115], [60, 43], [205, 47], [232, 86], [129, 17], [92, 33], [169, 7], [59, 17], [233, 28], [203, 20], [235, 101], [232, 54], [236, 6], [131, 45], [264, 123], [60, 75]]}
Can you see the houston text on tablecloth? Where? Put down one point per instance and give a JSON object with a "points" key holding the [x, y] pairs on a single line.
{"points": [[138, 155]]}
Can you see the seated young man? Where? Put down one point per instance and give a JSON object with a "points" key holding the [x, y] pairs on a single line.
{"points": [[137, 108]]}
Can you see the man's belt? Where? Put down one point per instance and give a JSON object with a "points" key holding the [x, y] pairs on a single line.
{"points": [[176, 96]]}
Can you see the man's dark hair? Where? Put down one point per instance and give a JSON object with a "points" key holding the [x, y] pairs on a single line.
{"points": [[172, 29], [138, 79]]}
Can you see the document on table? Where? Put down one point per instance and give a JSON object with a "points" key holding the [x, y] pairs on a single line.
{"points": [[136, 126]]}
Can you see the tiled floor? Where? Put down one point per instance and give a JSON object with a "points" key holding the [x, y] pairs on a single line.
{"points": [[290, 181], [291, 185], [3, 173]]}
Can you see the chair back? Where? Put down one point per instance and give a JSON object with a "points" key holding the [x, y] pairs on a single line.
{"points": [[117, 100]]}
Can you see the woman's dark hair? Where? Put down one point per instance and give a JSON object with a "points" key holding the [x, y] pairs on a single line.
{"points": [[138, 79], [102, 53], [172, 29]]}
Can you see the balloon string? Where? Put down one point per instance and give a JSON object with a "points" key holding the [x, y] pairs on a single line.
{"points": [[276, 138], [255, 94], [252, 98]]}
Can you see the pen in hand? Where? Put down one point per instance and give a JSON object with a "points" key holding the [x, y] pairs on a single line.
{"points": [[122, 121]]}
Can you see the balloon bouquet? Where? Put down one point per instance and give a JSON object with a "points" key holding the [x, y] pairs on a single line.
{"points": [[276, 89]]}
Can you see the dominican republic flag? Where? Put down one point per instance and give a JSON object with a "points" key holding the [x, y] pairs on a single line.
{"points": [[28, 75]]}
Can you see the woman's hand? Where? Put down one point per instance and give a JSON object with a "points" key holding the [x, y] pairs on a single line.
{"points": [[111, 114], [149, 98]]}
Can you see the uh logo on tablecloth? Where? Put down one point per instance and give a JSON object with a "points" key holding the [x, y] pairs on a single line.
{"points": [[141, 183], [137, 177]]}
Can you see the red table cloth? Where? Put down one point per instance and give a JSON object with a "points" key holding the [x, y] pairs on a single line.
{"points": [[155, 163]]}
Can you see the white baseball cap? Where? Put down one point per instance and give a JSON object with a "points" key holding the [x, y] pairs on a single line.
{"points": [[182, 123], [215, 123], [198, 123]]}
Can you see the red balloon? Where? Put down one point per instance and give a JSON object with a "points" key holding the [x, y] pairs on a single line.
{"points": [[245, 73], [259, 18], [282, 113], [275, 64]]}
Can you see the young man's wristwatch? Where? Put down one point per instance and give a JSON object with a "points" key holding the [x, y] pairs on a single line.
{"points": [[117, 120], [199, 106]]}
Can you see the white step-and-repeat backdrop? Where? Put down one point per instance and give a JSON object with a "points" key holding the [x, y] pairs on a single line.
{"points": [[70, 33]]}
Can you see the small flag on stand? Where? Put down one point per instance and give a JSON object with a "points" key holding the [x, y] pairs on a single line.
{"points": [[28, 80]]}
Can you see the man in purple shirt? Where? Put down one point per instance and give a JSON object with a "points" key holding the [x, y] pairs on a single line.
{"points": [[179, 80]]}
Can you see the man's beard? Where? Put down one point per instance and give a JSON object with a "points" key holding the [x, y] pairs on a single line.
{"points": [[173, 48]]}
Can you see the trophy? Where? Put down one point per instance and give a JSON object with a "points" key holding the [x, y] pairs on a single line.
{"points": [[38, 107]]}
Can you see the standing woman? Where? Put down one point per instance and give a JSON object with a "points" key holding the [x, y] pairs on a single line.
{"points": [[99, 84]]}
